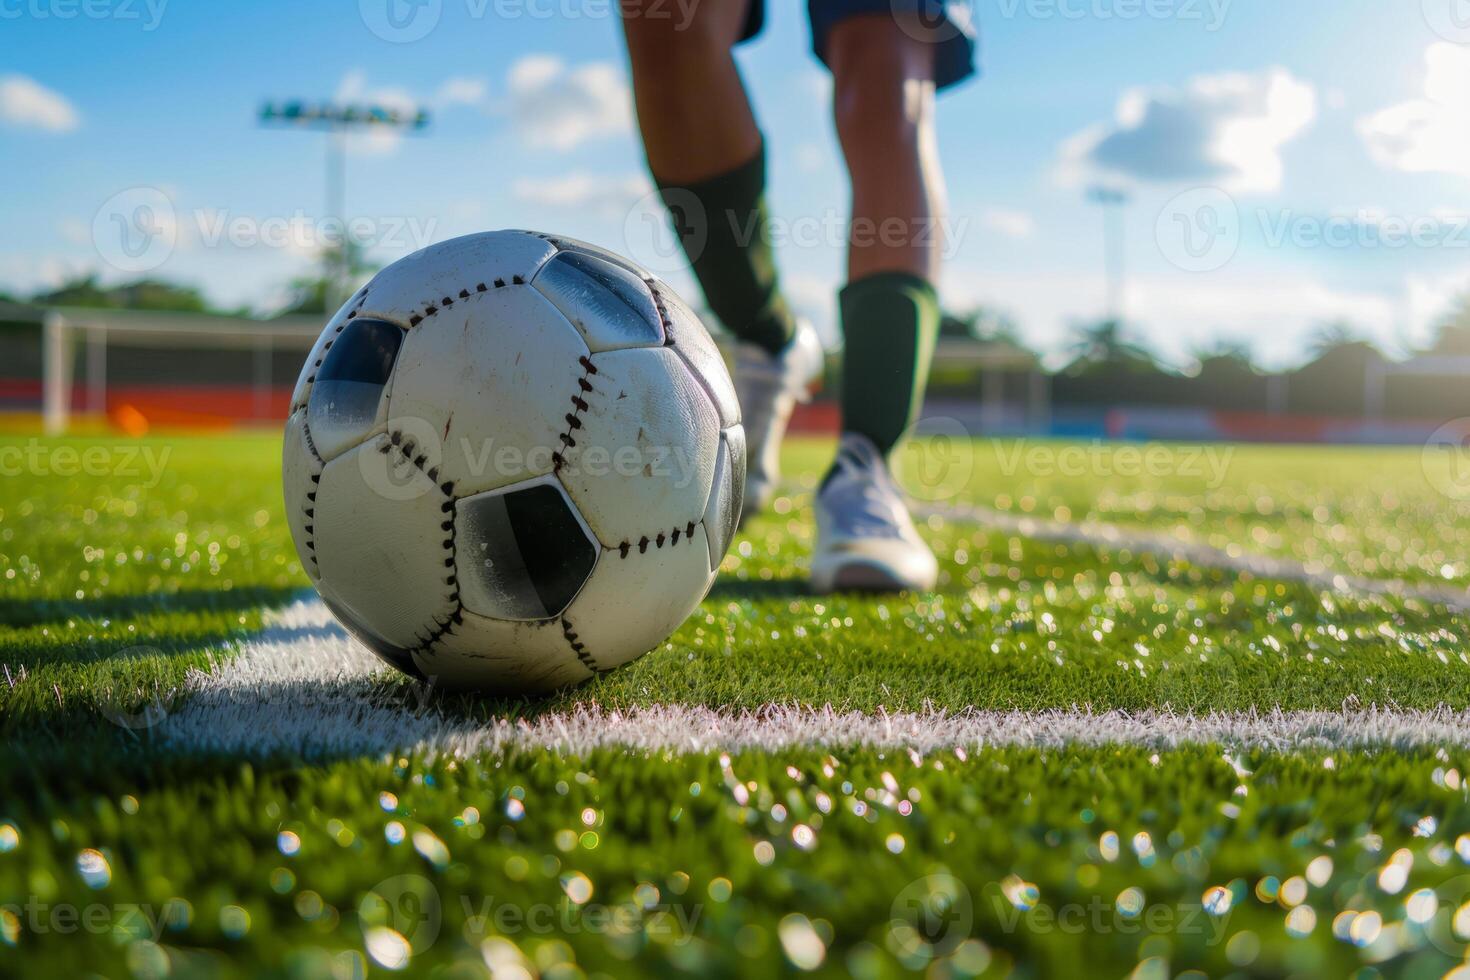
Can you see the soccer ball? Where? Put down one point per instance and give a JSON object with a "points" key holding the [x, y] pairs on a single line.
{"points": [[513, 461]]}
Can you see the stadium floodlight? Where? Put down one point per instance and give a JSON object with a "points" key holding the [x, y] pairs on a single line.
{"points": [[1112, 200], [337, 121]]}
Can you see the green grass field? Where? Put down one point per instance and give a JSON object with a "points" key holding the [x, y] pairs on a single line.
{"points": [[122, 856]]}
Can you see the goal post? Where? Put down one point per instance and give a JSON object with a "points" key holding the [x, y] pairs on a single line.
{"points": [[56, 374], [168, 368]]}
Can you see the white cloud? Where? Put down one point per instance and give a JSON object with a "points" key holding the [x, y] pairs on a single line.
{"points": [[26, 103], [1226, 129], [1429, 134], [607, 196], [1007, 222], [559, 107]]}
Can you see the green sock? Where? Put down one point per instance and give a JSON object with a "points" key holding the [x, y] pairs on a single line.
{"points": [[722, 224], [889, 324]]}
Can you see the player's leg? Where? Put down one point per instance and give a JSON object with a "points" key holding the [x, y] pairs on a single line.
{"points": [[883, 100], [883, 103], [707, 157], [693, 112]]}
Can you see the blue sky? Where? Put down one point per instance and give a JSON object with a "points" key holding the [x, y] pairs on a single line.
{"points": [[1325, 142]]}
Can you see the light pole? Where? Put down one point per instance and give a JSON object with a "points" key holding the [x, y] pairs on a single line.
{"points": [[338, 121], [1112, 201]]}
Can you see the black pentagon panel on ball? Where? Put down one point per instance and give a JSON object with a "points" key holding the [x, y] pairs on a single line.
{"points": [[611, 307], [348, 390], [522, 554]]}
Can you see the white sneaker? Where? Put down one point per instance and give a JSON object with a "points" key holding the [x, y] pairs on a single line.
{"points": [[866, 540], [769, 386]]}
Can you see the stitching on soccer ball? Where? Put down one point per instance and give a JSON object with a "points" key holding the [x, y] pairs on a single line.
{"points": [[660, 538], [574, 417], [663, 311], [311, 378], [448, 301], [310, 511], [580, 649], [395, 441]]}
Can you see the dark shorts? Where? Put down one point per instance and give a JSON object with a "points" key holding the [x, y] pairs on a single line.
{"points": [[945, 23]]}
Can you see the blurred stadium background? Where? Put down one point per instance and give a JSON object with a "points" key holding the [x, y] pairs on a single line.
{"points": [[149, 354]]}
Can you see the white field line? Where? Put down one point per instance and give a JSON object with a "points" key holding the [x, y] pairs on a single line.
{"points": [[1114, 538], [302, 688]]}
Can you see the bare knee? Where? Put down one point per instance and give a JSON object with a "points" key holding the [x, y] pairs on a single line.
{"points": [[883, 88], [674, 40]]}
